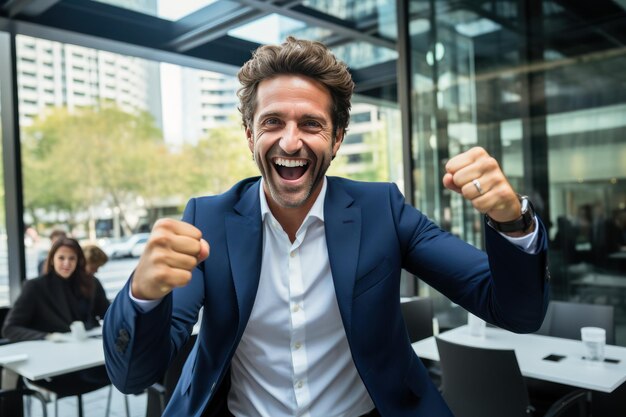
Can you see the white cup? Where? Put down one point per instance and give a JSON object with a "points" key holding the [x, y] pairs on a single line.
{"points": [[476, 325], [78, 330], [594, 339]]}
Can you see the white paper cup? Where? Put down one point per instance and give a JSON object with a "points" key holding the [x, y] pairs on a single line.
{"points": [[78, 330], [476, 325], [594, 339]]}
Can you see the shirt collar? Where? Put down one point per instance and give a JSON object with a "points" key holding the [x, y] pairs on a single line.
{"points": [[316, 211]]}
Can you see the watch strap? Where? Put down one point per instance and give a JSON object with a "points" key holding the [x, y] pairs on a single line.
{"points": [[521, 224]]}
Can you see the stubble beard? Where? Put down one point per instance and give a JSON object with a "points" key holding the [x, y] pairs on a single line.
{"points": [[300, 194]]}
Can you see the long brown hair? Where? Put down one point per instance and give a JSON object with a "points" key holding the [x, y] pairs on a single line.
{"points": [[79, 278], [298, 57]]}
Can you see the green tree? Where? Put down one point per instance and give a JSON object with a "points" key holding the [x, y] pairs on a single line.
{"points": [[75, 161], [218, 160]]}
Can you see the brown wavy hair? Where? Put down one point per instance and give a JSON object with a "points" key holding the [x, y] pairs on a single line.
{"points": [[298, 57], [79, 279], [95, 256]]}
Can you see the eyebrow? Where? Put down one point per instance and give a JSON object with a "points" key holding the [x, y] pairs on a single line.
{"points": [[317, 117]]}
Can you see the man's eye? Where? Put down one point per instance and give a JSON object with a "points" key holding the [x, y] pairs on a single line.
{"points": [[272, 121], [312, 123]]}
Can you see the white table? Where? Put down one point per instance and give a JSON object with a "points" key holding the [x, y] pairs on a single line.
{"points": [[43, 359], [530, 350]]}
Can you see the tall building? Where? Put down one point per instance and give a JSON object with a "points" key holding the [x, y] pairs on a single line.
{"points": [[54, 74], [209, 100]]}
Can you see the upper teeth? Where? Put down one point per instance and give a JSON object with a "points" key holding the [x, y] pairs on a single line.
{"points": [[290, 163]]}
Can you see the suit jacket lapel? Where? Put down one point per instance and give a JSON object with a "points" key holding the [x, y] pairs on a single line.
{"points": [[343, 236], [244, 238]]}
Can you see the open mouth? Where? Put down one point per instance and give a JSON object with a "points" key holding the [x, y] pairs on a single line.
{"points": [[291, 169]]}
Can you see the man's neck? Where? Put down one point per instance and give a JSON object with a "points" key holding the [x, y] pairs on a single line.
{"points": [[291, 218]]}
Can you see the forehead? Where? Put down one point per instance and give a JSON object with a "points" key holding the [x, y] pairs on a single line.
{"points": [[293, 94], [64, 251]]}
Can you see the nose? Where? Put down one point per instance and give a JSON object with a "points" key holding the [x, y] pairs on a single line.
{"points": [[291, 141]]}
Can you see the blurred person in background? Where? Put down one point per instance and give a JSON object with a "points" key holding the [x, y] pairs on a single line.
{"points": [[54, 236], [95, 257]]}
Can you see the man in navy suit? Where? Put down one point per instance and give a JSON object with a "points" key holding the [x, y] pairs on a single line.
{"points": [[301, 289]]}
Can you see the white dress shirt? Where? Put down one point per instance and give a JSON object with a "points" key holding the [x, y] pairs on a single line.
{"points": [[294, 359]]}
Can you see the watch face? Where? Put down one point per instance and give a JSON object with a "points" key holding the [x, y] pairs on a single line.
{"points": [[524, 202]]}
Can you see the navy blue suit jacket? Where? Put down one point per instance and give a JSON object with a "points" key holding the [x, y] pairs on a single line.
{"points": [[371, 234]]}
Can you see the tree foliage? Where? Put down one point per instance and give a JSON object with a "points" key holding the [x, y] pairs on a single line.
{"points": [[101, 156], [218, 160], [74, 161]]}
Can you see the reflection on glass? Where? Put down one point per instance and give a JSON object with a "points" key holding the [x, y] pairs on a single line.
{"points": [[362, 54], [476, 82], [346, 9], [365, 15], [274, 28], [4, 264], [165, 9], [372, 149]]}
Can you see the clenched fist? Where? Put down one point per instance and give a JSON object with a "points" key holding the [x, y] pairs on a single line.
{"points": [[477, 176], [172, 252]]}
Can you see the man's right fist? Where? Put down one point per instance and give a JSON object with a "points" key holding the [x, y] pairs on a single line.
{"points": [[172, 252]]}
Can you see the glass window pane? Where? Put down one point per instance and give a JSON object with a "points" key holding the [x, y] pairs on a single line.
{"points": [[274, 28], [106, 146], [4, 264], [361, 54], [165, 9], [374, 16], [551, 109]]}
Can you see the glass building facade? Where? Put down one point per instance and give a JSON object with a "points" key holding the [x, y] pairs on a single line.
{"points": [[539, 84]]}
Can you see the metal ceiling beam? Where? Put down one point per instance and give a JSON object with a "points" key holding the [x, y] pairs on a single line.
{"points": [[27, 7], [197, 61], [218, 25], [315, 18], [214, 21]]}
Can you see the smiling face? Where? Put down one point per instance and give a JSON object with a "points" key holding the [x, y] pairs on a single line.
{"points": [[292, 139], [65, 261]]}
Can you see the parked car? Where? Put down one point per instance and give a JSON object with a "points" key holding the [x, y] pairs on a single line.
{"points": [[138, 249], [124, 248]]}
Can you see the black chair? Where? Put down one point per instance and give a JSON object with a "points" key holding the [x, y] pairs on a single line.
{"points": [[4, 311], [564, 319], [480, 382], [418, 317], [159, 394]]}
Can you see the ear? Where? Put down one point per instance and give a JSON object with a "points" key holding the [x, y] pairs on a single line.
{"points": [[250, 138], [338, 141]]}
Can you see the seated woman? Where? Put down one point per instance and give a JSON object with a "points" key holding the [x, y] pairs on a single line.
{"points": [[95, 258], [50, 303]]}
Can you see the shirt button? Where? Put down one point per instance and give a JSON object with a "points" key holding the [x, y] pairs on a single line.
{"points": [[298, 345], [299, 384], [296, 308], [293, 254]]}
